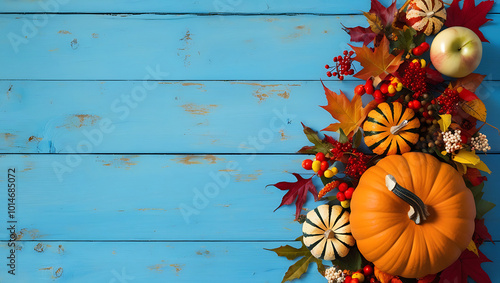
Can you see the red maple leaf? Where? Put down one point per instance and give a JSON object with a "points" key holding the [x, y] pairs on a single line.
{"points": [[470, 16], [361, 34], [386, 15], [467, 265], [475, 176], [467, 95], [379, 17], [433, 76], [296, 192], [481, 231]]}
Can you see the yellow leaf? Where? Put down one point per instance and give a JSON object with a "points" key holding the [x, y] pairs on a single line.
{"points": [[466, 157], [481, 166], [472, 247], [444, 152], [374, 21], [475, 108], [350, 114], [378, 63], [444, 122]]}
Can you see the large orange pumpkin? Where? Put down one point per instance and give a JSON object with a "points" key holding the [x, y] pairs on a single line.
{"points": [[380, 220]]}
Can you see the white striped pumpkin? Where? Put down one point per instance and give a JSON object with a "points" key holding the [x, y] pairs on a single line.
{"points": [[427, 16], [327, 232]]}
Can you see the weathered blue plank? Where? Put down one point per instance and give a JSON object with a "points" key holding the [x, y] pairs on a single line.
{"points": [[174, 117], [155, 197], [492, 251], [169, 197], [162, 197], [149, 262], [187, 47], [164, 262], [191, 6]]}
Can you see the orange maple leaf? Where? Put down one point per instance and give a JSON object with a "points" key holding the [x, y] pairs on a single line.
{"points": [[349, 113], [377, 64]]}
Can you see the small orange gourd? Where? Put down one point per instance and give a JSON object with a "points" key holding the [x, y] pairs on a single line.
{"points": [[391, 128], [427, 16], [422, 225]]}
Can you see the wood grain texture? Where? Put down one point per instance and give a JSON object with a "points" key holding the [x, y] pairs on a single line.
{"points": [[151, 262], [153, 197], [187, 47], [166, 262], [189, 6], [145, 97], [192, 6], [174, 117], [157, 197]]}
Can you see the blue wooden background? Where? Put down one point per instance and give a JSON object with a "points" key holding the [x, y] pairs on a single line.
{"points": [[144, 133]]}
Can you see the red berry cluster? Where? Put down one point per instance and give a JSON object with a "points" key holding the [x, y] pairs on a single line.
{"points": [[421, 49], [340, 148], [345, 192], [449, 101], [342, 66], [356, 165], [415, 78]]}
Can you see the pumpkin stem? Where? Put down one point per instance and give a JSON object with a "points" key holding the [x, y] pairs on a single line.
{"points": [[418, 210], [329, 234], [395, 129]]}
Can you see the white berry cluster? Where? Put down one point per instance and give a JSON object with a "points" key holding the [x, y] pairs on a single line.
{"points": [[452, 141], [334, 275], [480, 143]]}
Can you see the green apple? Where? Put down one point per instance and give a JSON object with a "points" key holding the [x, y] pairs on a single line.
{"points": [[456, 52]]}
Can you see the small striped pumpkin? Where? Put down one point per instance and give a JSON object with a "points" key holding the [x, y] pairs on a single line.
{"points": [[427, 16], [327, 232], [391, 128]]}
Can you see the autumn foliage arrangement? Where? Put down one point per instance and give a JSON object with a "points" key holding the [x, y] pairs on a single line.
{"points": [[401, 194]]}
